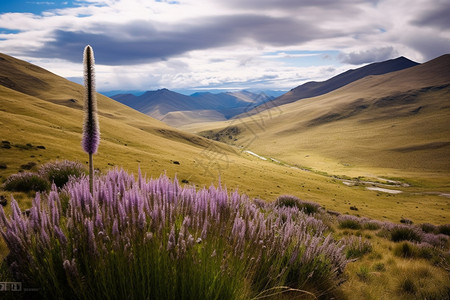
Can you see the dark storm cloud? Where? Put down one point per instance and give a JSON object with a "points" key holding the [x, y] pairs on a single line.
{"points": [[438, 16], [368, 56], [142, 41]]}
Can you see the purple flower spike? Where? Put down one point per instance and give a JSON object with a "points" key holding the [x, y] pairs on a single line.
{"points": [[91, 130]]}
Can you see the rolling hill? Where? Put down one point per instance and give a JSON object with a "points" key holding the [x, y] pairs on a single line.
{"points": [[314, 88], [397, 124], [39, 108]]}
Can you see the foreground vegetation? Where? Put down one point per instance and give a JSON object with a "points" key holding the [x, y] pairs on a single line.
{"points": [[137, 238]]}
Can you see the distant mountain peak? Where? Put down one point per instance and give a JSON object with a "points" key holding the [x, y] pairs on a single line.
{"points": [[162, 102]]}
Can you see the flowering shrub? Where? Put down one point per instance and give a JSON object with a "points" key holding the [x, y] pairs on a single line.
{"points": [[436, 240], [59, 172], [26, 182], [139, 239]]}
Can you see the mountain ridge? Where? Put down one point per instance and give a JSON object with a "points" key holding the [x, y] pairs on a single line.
{"points": [[317, 88], [159, 103]]}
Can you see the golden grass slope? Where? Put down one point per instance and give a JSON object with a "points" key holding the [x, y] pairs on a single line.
{"points": [[179, 118], [392, 124]]}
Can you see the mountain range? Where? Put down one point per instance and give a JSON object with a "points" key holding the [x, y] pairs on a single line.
{"points": [[177, 109], [180, 110]]}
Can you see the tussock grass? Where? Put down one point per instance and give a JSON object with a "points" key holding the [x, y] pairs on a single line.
{"points": [[26, 182]]}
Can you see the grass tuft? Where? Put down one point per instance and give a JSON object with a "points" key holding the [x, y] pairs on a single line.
{"points": [[406, 250], [357, 247], [408, 286]]}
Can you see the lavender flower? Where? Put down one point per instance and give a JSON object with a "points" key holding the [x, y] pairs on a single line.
{"points": [[140, 224]]}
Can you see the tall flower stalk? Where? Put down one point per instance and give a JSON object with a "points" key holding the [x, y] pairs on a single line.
{"points": [[91, 129]]}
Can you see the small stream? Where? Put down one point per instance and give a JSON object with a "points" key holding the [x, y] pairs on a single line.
{"points": [[374, 186]]}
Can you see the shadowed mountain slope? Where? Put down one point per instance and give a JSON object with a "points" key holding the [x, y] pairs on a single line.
{"points": [[314, 88]]}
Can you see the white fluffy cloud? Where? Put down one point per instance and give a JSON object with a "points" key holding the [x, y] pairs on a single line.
{"points": [[146, 44]]}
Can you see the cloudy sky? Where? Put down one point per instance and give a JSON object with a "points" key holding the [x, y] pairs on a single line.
{"points": [[230, 44]]}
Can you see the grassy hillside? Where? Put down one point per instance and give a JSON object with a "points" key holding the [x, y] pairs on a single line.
{"points": [[50, 115], [393, 125]]}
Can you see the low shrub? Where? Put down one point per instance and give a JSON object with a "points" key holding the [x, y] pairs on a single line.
{"points": [[349, 222], [59, 172], [437, 240], [428, 252], [292, 201], [287, 201], [422, 250], [5, 145], [400, 233], [406, 221], [429, 228], [260, 203], [444, 229], [26, 182], [28, 166]]}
